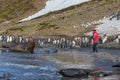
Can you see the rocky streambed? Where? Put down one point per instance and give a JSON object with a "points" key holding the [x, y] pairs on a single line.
{"points": [[45, 63]]}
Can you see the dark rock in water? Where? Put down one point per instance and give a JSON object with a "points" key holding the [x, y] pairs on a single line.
{"points": [[117, 65], [2, 50], [72, 78], [18, 48], [83, 73], [23, 48], [50, 50], [53, 50], [101, 73], [72, 72], [4, 46], [5, 75]]}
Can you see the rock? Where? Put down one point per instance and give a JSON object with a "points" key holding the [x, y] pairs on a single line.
{"points": [[116, 65], [50, 50], [83, 73], [101, 73], [5, 75], [18, 48], [2, 50], [72, 72], [23, 48]]}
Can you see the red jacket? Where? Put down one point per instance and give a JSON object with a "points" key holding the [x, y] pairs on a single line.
{"points": [[95, 37]]}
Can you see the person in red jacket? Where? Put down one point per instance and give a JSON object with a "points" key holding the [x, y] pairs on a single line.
{"points": [[95, 40]]}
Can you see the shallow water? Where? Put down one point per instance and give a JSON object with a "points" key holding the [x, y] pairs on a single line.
{"points": [[41, 66], [22, 66], [105, 63]]}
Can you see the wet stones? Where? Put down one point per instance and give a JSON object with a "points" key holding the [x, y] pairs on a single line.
{"points": [[72, 72], [2, 50], [101, 73], [5, 75], [50, 50], [23, 47], [84, 73], [116, 65]]}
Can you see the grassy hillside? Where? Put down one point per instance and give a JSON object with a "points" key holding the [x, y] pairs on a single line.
{"points": [[10, 9], [64, 22]]}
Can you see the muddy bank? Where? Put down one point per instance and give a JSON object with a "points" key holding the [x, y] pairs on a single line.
{"points": [[84, 58], [110, 45]]}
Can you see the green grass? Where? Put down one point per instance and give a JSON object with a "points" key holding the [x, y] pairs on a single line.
{"points": [[5, 13], [63, 10], [47, 24], [59, 24], [14, 29], [13, 9], [28, 26], [107, 2], [22, 28]]}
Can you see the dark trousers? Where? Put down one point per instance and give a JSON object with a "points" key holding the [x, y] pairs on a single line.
{"points": [[95, 47]]}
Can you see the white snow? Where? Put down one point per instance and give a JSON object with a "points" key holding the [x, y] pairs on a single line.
{"points": [[54, 5], [108, 27]]}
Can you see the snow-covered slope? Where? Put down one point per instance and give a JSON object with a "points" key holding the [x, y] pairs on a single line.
{"points": [[109, 26], [54, 5]]}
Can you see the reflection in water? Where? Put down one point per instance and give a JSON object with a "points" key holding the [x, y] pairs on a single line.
{"points": [[74, 57]]}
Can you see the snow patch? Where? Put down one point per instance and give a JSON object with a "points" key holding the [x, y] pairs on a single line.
{"points": [[107, 26], [54, 5]]}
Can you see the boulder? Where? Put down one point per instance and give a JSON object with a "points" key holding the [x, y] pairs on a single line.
{"points": [[73, 72], [23, 47], [116, 65], [101, 73], [5, 75], [83, 73], [2, 50], [17, 48]]}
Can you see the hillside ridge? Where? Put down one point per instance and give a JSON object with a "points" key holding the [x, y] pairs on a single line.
{"points": [[67, 21]]}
